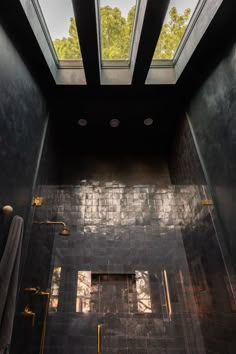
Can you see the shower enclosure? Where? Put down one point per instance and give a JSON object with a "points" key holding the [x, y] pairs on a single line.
{"points": [[141, 272]]}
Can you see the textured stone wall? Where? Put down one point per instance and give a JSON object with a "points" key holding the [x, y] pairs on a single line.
{"points": [[23, 119], [212, 115], [212, 274], [212, 283], [119, 229], [184, 165]]}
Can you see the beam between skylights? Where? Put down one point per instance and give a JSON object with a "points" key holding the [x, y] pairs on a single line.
{"points": [[148, 29], [86, 21]]}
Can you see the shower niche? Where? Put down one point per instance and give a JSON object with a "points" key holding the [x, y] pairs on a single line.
{"points": [[113, 293]]}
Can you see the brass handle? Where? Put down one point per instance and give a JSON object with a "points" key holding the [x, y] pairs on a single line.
{"points": [[28, 313], [207, 202], [167, 293], [99, 334], [38, 291]]}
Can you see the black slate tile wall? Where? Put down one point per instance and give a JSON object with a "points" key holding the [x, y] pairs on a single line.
{"points": [[141, 168], [23, 120], [38, 261], [212, 284], [184, 164], [23, 115], [212, 275], [117, 229], [212, 115]]}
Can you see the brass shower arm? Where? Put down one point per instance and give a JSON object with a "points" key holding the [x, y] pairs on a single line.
{"points": [[47, 222], [64, 232]]}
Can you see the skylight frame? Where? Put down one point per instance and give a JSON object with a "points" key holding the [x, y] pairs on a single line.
{"points": [[164, 72], [116, 63], [203, 15], [65, 64], [191, 25], [158, 63]]}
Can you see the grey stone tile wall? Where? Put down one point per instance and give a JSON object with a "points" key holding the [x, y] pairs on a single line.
{"points": [[118, 229], [212, 284], [211, 267]]}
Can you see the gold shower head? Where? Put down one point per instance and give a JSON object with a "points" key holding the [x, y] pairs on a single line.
{"points": [[64, 232]]}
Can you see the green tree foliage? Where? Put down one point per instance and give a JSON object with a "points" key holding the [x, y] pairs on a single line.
{"points": [[68, 48], [116, 32], [116, 35], [171, 34]]}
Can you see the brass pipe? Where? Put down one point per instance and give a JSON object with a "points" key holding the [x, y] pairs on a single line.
{"points": [[33, 291], [37, 291], [42, 342], [99, 332], [47, 222], [167, 293], [28, 312], [64, 232]]}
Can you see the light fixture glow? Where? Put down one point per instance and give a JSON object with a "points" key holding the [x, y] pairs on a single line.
{"points": [[82, 122], [114, 123], [148, 121]]}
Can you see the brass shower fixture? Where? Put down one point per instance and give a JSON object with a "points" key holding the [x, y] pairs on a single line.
{"points": [[29, 313], [207, 202], [64, 231], [37, 201], [37, 291]]}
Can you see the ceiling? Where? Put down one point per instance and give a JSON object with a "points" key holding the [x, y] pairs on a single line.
{"points": [[130, 104], [131, 107]]}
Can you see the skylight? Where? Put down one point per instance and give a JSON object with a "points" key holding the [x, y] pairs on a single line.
{"points": [[60, 21], [122, 23], [176, 22], [116, 26]]}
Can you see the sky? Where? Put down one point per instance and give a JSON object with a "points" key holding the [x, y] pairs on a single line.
{"points": [[124, 5], [57, 13]]}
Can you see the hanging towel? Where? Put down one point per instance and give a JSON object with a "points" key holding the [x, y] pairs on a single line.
{"points": [[9, 273]]}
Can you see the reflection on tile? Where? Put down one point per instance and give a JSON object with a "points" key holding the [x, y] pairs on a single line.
{"points": [[55, 285], [143, 291], [83, 291], [167, 304]]}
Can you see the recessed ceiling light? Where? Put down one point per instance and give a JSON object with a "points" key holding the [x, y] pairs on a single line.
{"points": [[148, 121], [82, 122], [114, 123]]}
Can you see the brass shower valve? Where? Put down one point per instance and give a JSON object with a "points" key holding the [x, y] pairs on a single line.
{"points": [[29, 313]]}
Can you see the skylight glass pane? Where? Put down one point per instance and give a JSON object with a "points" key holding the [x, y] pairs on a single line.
{"points": [[60, 21], [117, 22], [178, 16]]}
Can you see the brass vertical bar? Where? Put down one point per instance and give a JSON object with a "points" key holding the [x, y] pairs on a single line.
{"points": [[42, 342], [99, 339], [167, 293]]}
